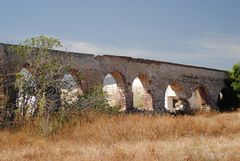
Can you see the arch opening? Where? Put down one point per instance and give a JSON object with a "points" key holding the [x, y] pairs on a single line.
{"points": [[26, 98], [227, 100], [70, 90], [173, 98], [200, 99], [142, 98], [114, 87]]}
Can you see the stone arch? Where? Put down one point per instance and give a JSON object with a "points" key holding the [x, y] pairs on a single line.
{"points": [[200, 98], [174, 91], [78, 77], [141, 89], [114, 85], [227, 99], [26, 98], [70, 88]]}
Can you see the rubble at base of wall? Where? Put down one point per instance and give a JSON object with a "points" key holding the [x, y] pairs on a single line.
{"points": [[181, 107]]}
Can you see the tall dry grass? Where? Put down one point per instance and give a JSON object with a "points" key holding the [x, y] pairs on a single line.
{"points": [[97, 136]]}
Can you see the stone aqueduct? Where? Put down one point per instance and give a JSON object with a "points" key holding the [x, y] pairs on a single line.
{"points": [[154, 75]]}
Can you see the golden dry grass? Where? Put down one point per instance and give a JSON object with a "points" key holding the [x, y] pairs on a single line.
{"points": [[130, 137]]}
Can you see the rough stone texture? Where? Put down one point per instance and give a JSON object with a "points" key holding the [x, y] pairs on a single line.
{"points": [[2, 96], [154, 75]]}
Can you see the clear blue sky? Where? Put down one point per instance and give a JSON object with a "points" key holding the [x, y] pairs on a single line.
{"points": [[197, 32]]}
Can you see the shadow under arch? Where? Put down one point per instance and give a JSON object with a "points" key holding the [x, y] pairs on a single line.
{"points": [[114, 85], [142, 98], [227, 100]]}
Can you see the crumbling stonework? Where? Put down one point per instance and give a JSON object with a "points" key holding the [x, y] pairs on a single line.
{"points": [[154, 75]]}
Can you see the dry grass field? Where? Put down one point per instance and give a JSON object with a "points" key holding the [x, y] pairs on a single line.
{"points": [[132, 137]]}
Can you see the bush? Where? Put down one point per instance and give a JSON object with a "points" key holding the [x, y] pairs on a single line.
{"points": [[235, 79]]}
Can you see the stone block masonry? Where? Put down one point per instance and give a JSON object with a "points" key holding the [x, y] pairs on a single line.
{"points": [[155, 76]]}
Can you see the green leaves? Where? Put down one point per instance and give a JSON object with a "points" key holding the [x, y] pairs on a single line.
{"points": [[235, 78], [42, 43], [45, 70], [41, 78]]}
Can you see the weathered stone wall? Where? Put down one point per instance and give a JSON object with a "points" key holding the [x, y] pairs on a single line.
{"points": [[7, 81], [154, 75]]}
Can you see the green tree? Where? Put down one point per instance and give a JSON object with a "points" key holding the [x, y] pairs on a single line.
{"points": [[235, 79], [42, 77], [45, 71]]}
